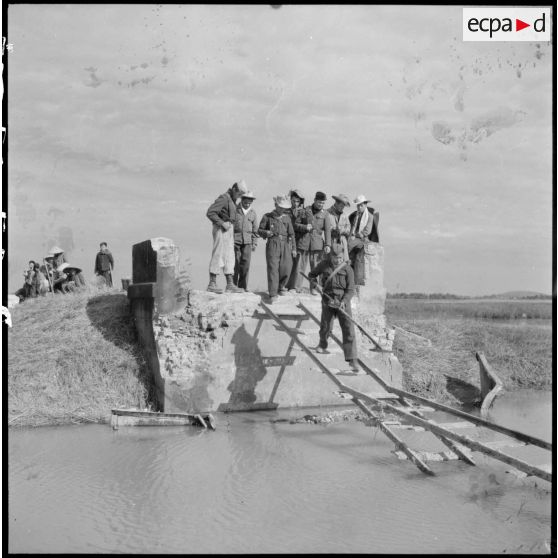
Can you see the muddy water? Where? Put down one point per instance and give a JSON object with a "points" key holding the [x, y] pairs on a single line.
{"points": [[259, 486]]}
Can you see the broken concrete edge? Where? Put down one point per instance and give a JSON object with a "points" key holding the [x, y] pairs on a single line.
{"points": [[490, 383]]}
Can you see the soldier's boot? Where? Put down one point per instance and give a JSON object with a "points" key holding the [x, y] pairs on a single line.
{"points": [[231, 287], [212, 287]]}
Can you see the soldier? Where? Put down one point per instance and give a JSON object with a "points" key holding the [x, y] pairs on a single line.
{"points": [[314, 241], [364, 229], [297, 207], [245, 239], [222, 213], [339, 222], [276, 226], [338, 283], [104, 263]]}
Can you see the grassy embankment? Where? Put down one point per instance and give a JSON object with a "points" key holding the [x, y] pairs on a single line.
{"points": [[72, 358], [515, 336]]}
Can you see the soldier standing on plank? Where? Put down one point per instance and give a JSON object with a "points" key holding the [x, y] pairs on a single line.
{"points": [[339, 284], [245, 239], [104, 263], [276, 226], [222, 213]]}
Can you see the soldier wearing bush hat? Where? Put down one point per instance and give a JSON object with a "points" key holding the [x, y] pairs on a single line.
{"points": [[245, 239], [339, 222]]}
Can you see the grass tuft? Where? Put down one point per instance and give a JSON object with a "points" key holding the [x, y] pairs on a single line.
{"points": [[515, 336]]}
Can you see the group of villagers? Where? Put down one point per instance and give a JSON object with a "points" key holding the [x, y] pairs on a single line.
{"points": [[55, 274]]}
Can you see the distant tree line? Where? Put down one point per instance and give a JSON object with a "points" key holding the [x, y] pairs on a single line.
{"points": [[449, 296]]}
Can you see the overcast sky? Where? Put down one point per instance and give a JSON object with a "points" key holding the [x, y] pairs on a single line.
{"points": [[125, 122]]}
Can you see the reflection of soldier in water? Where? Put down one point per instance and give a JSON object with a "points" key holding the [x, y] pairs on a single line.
{"points": [[249, 368]]}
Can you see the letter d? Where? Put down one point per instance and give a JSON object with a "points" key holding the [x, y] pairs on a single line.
{"points": [[541, 19]]}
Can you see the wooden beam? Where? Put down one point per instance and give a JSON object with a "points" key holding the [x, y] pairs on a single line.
{"points": [[392, 436], [463, 440]]}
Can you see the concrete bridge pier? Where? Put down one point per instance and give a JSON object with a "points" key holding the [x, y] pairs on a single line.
{"points": [[221, 352]]}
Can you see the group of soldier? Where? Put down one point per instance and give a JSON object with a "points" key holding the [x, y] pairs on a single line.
{"points": [[330, 241]]}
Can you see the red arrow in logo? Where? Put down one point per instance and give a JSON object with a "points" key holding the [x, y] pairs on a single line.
{"points": [[519, 25]]}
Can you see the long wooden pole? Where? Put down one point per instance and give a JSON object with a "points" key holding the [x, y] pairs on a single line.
{"points": [[527, 438], [350, 318], [48, 276], [463, 440], [391, 435], [448, 443]]}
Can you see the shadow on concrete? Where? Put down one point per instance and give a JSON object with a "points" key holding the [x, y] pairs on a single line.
{"points": [[250, 370], [467, 394], [110, 314]]}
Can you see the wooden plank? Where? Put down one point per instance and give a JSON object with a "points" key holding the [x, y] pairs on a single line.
{"points": [[464, 440], [456, 425], [439, 406], [392, 436], [399, 443], [278, 360], [496, 444], [152, 414], [445, 441], [126, 420]]}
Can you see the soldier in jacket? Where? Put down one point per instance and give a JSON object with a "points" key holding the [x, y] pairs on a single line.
{"points": [[339, 222], [364, 229], [245, 239], [222, 214], [339, 284], [297, 208], [276, 226], [314, 228], [104, 263]]}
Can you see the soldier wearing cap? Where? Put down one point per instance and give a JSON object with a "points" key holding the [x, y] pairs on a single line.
{"points": [[339, 285], [277, 228], [222, 214], [339, 222], [364, 229], [245, 239], [297, 207], [315, 237]]}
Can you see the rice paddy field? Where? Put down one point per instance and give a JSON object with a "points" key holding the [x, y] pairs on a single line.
{"points": [[436, 342]]}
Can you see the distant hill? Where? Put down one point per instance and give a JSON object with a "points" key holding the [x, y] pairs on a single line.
{"points": [[521, 294]]}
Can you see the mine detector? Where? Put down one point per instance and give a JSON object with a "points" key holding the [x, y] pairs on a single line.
{"points": [[411, 410]]}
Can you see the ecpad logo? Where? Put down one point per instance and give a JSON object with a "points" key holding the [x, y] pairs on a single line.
{"points": [[506, 24]]}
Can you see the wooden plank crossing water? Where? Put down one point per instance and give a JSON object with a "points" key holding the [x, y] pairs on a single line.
{"points": [[459, 446], [137, 417]]}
